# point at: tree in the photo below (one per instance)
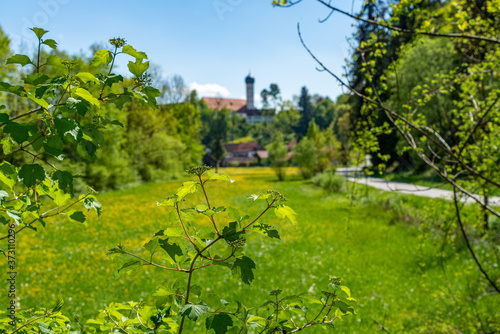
(272, 94)
(460, 146)
(306, 112)
(278, 153)
(215, 130)
(305, 154)
(325, 113)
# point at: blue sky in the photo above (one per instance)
(212, 44)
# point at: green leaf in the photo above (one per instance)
(77, 216)
(92, 203)
(50, 88)
(256, 322)
(235, 214)
(20, 132)
(128, 49)
(201, 208)
(51, 43)
(188, 187)
(79, 106)
(231, 232)
(102, 57)
(283, 211)
(174, 250)
(87, 96)
(109, 80)
(152, 246)
(117, 250)
(17, 90)
(120, 100)
(35, 79)
(54, 60)
(93, 135)
(259, 197)
(151, 94)
(173, 232)
(3, 195)
(157, 319)
(31, 173)
(69, 129)
(22, 60)
(58, 306)
(86, 150)
(139, 67)
(168, 202)
(242, 269)
(39, 32)
(16, 216)
(164, 291)
(266, 230)
(131, 265)
(214, 176)
(196, 290)
(54, 146)
(193, 311)
(105, 121)
(41, 102)
(44, 328)
(219, 323)
(86, 77)
(4, 118)
(346, 290)
(65, 180)
(7, 145)
(8, 174)
(344, 307)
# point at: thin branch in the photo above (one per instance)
(408, 31)
(149, 263)
(29, 323)
(466, 238)
(23, 147)
(390, 113)
(25, 114)
(208, 204)
(382, 327)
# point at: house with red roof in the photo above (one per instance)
(244, 108)
(244, 154)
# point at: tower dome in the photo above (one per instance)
(249, 79)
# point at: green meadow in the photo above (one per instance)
(393, 270)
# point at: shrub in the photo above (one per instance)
(330, 182)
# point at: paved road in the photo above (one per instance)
(413, 189)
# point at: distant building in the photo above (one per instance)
(244, 108)
(243, 154)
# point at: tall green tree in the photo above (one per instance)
(306, 110)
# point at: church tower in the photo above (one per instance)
(250, 81)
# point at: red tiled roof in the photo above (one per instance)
(243, 147)
(291, 145)
(219, 103)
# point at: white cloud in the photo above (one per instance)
(209, 90)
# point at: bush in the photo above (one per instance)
(306, 156)
(330, 182)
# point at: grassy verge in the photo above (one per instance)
(380, 255)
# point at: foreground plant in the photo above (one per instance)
(50, 110)
(62, 116)
(185, 248)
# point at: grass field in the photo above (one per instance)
(395, 283)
